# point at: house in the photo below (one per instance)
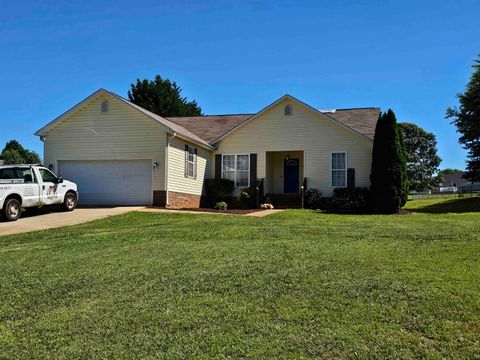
(121, 154)
(455, 181)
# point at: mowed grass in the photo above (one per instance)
(298, 284)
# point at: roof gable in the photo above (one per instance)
(365, 128)
(167, 125)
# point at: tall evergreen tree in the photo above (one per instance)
(389, 183)
(12, 157)
(162, 97)
(467, 120)
(14, 153)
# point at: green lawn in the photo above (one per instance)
(298, 284)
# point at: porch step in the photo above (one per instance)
(286, 201)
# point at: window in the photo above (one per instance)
(8, 174)
(104, 107)
(19, 175)
(237, 169)
(47, 176)
(287, 110)
(190, 161)
(339, 169)
(26, 174)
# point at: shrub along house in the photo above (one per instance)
(121, 154)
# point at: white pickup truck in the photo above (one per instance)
(32, 186)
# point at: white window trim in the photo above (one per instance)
(235, 171)
(331, 168)
(194, 162)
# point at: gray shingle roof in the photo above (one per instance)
(211, 127)
(363, 120)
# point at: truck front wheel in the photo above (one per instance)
(12, 209)
(70, 202)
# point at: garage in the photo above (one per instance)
(110, 182)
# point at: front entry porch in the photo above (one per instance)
(284, 178)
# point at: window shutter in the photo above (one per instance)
(253, 169)
(351, 178)
(186, 160)
(218, 166)
(195, 164)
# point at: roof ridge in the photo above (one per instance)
(179, 117)
(360, 108)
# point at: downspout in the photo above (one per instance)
(166, 167)
(42, 139)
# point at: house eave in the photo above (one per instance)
(44, 130)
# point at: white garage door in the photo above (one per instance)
(125, 182)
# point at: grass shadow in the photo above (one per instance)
(361, 213)
(32, 212)
(451, 206)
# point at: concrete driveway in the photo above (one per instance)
(52, 218)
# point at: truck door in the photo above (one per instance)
(31, 187)
(51, 191)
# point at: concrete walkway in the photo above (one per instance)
(265, 213)
(178, 211)
(54, 219)
(252, 214)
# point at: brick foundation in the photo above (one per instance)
(178, 200)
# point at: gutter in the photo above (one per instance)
(187, 138)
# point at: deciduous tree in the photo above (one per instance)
(467, 120)
(421, 156)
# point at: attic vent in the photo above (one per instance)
(287, 111)
(104, 107)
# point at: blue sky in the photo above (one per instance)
(236, 56)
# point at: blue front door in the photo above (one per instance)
(291, 175)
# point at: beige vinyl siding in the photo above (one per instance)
(305, 130)
(122, 133)
(176, 168)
